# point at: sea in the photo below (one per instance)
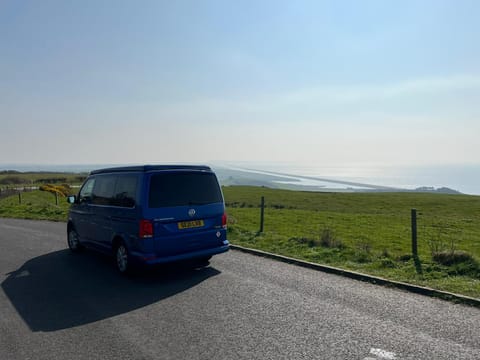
(462, 178)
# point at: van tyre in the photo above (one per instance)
(122, 259)
(73, 241)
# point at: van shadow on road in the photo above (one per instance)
(61, 290)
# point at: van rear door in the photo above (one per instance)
(187, 209)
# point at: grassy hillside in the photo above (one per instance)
(367, 232)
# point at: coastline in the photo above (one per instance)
(461, 178)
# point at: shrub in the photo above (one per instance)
(387, 263)
(328, 239)
(231, 220)
(362, 257)
(62, 190)
(449, 258)
(470, 268)
(405, 257)
(307, 241)
(363, 244)
(459, 263)
(437, 241)
(385, 253)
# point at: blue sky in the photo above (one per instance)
(320, 82)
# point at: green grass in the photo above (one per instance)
(37, 204)
(367, 232)
(370, 232)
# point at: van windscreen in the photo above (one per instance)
(183, 189)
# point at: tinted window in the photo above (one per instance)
(103, 190)
(178, 189)
(125, 191)
(85, 194)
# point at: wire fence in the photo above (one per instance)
(15, 191)
(424, 233)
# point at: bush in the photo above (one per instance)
(459, 263)
(363, 244)
(362, 257)
(62, 190)
(465, 268)
(387, 263)
(405, 257)
(385, 253)
(328, 239)
(231, 220)
(449, 258)
(303, 240)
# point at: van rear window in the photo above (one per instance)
(183, 189)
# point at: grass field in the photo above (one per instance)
(39, 205)
(366, 232)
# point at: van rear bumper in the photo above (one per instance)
(153, 259)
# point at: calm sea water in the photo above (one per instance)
(463, 178)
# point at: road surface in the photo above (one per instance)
(58, 305)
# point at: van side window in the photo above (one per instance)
(85, 194)
(125, 191)
(103, 190)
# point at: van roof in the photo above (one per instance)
(145, 168)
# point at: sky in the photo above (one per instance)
(307, 82)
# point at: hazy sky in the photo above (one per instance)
(320, 82)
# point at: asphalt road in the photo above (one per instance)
(57, 305)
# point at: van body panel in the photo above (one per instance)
(152, 259)
(171, 239)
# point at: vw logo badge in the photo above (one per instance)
(191, 212)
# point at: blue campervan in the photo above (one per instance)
(150, 214)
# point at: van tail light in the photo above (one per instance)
(224, 220)
(146, 229)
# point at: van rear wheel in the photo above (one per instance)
(122, 259)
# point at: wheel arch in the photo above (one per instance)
(117, 240)
(70, 225)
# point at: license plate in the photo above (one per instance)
(190, 224)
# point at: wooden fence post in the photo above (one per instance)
(414, 233)
(262, 212)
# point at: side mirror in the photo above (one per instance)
(72, 199)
